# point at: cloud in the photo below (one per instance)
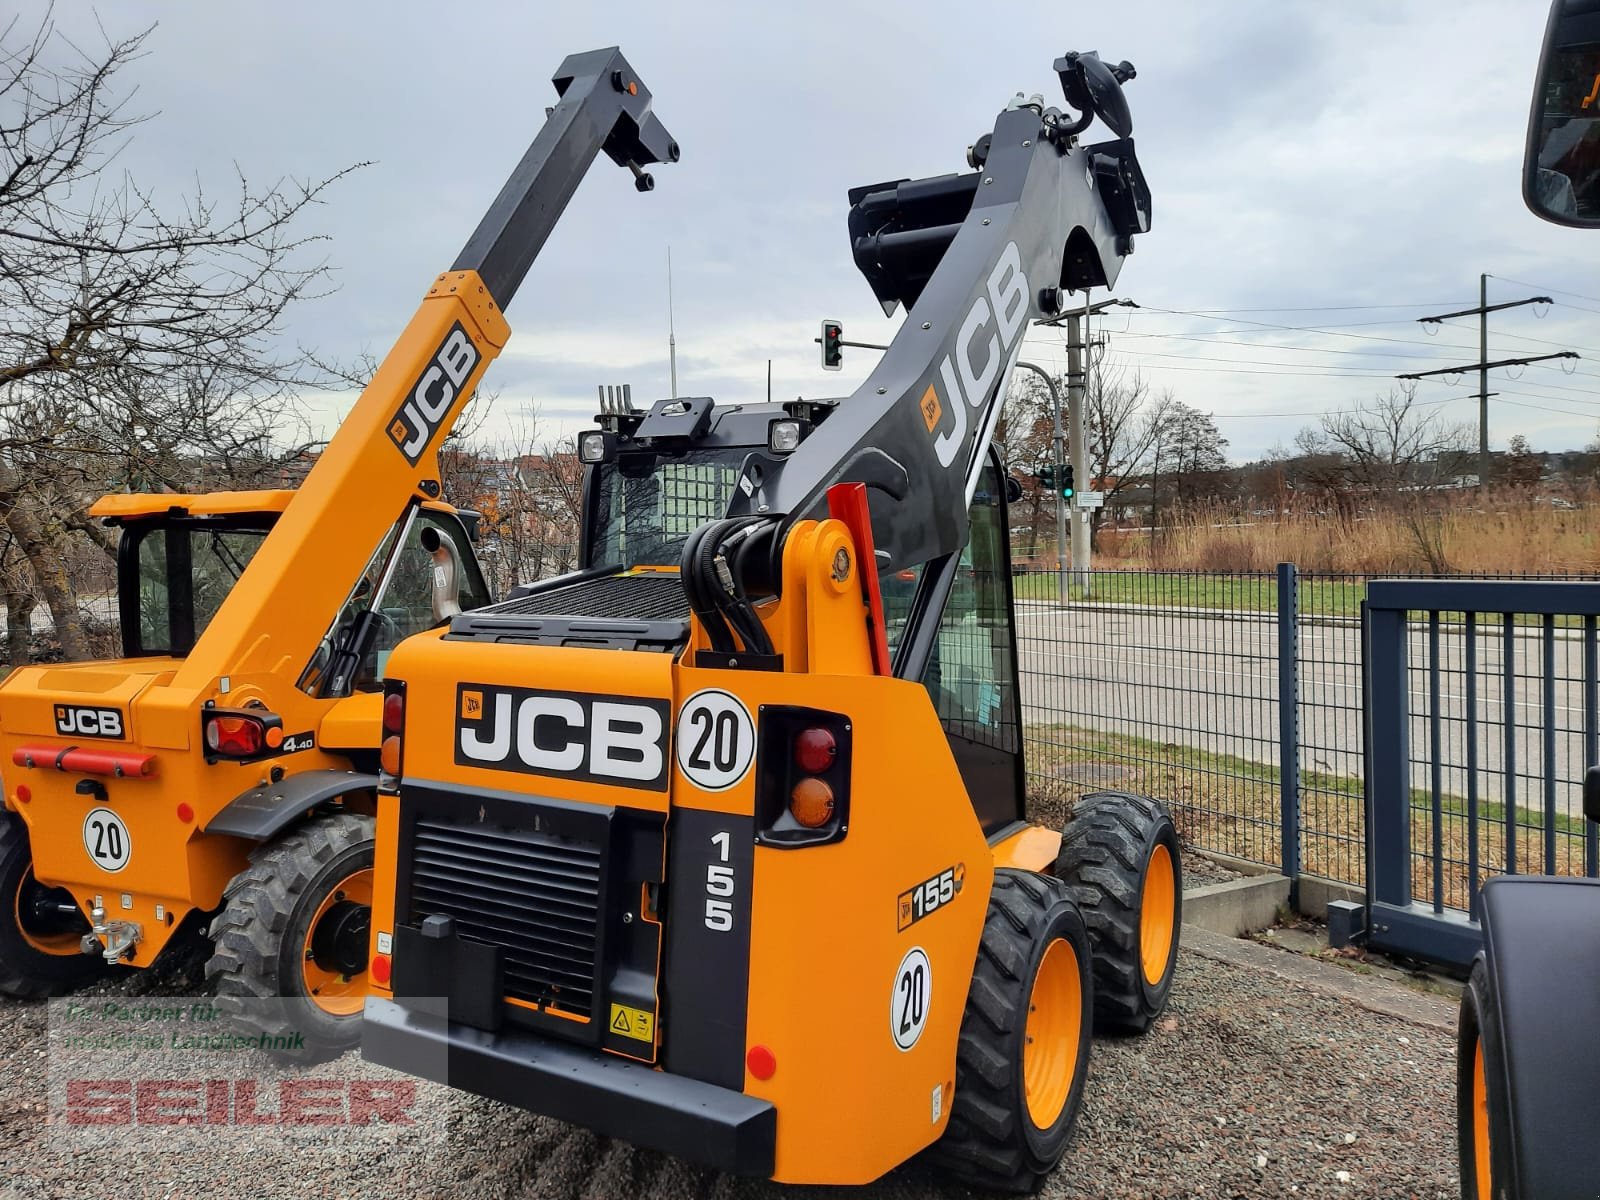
(1301, 157)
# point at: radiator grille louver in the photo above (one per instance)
(535, 895)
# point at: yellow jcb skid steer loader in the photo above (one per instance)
(223, 772)
(718, 844)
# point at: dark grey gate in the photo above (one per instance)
(1481, 700)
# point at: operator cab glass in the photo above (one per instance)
(646, 503)
(393, 599)
(175, 572)
(1561, 168)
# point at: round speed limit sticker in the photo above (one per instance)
(716, 740)
(106, 839)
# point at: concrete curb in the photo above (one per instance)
(1387, 999)
(1236, 907)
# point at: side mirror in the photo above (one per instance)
(1561, 166)
(1591, 793)
(1013, 489)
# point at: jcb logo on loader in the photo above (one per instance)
(602, 739)
(88, 722)
(1007, 307)
(430, 399)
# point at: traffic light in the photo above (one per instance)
(1066, 482)
(832, 345)
(1046, 475)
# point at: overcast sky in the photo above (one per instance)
(1322, 175)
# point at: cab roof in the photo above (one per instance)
(124, 506)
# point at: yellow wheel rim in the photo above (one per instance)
(1055, 1026)
(59, 944)
(1480, 1123)
(1158, 913)
(336, 994)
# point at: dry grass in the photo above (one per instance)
(1231, 806)
(1505, 532)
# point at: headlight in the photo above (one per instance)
(593, 446)
(784, 436)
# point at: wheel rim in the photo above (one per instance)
(1480, 1123)
(1055, 1027)
(333, 987)
(1158, 910)
(57, 938)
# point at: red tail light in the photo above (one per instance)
(390, 756)
(803, 777)
(241, 733)
(394, 712)
(814, 750)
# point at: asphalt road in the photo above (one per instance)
(1210, 682)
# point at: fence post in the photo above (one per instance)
(1289, 724)
(1388, 759)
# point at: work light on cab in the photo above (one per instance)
(785, 435)
(594, 446)
(241, 733)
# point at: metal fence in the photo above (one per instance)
(1170, 683)
(1484, 702)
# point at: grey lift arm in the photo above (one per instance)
(974, 258)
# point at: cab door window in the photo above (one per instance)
(393, 599)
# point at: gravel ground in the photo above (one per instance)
(1198, 870)
(1251, 1086)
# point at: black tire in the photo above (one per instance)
(1480, 1024)
(992, 1139)
(26, 971)
(1106, 853)
(263, 933)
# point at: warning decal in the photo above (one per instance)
(633, 1023)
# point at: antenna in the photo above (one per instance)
(672, 332)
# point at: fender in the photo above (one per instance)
(262, 813)
(1542, 952)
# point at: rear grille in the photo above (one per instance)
(651, 596)
(535, 895)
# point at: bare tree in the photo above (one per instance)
(1382, 447)
(1026, 433)
(139, 343)
(1193, 455)
(1523, 467)
(1123, 422)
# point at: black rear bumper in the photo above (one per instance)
(610, 1095)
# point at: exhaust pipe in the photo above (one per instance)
(446, 590)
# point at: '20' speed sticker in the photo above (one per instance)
(716, 740)
(908, 1006)
(106, 839)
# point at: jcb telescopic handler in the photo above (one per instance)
(1527, 1054)
(223, 772)
(718, 844)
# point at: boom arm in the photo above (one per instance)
(975, 258)
(385, 451)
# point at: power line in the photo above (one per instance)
(1483, 366)
(1557, 291)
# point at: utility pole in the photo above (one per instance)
(1483, 366)
(1058, 460)
(1077, 392)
